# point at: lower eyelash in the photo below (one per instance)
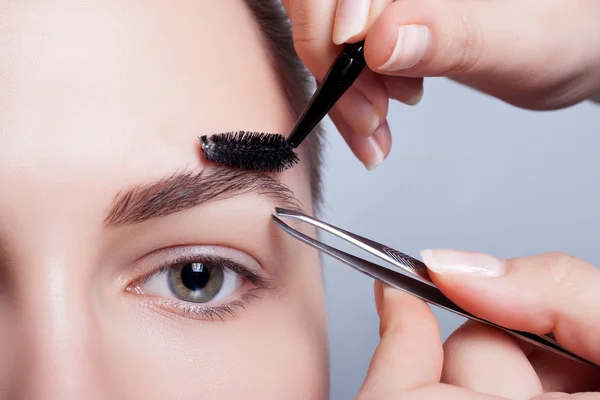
(211, 313)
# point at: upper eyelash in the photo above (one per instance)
(217, 262)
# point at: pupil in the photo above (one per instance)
(195, 276)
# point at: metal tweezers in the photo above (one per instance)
(417, 282)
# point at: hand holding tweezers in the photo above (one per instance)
(417, 282)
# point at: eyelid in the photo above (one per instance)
(160, 261)
(237, 261)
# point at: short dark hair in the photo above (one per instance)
(294, 78)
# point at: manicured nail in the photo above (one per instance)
(351, 17)
(453, 262)
(406, 90)
(415, 99)
(383, 137)
(376, 153)
(409, 49)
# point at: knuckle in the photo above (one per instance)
(302, 26)
(373, 88)
(467, 44)
(560, 267)
(304, 35)
(468, 333)
(307, 48)
(304, 42)
(557, 270)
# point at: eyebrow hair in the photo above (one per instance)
(185, 190)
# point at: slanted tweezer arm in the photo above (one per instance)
(420, 288)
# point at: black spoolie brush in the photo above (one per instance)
(250, 150)
(272, 152)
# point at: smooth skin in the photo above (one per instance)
(552, 292)
(101, 96)
(532, 55)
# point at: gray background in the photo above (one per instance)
(468, 172)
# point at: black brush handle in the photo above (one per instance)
(342, 74)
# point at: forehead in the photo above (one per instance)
(97, 96)
(128, 78)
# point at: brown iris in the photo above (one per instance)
(197, 282)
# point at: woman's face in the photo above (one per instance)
(129, 268)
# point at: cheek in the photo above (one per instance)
(276, 349)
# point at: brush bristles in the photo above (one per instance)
(250, 150)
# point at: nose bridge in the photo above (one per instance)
(62, 357)
(49, 236)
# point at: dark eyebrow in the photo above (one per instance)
(184, 190)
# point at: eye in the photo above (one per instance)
(198, 281)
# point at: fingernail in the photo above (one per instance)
(410, 47)
(351, 17)
(383, 137)
(453, 262)
(406, 90)
(415, 98)
(376, 153)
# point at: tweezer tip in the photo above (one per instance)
(279, 223)
(279, 210)
(284, 212)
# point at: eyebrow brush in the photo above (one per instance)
(273, 152)
(341, 75)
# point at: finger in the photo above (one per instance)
(406, 90)
(484, 359)
(312, 30)
(445, 392)
(558, 374)
(501, 47)
(378, 293)
(363, 110)
(565, 396)
(353, 18)
(409, 354)
(364, 106)
(370, 150)
(547, 293)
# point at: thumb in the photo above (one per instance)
(530, 53)
(546, 293)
